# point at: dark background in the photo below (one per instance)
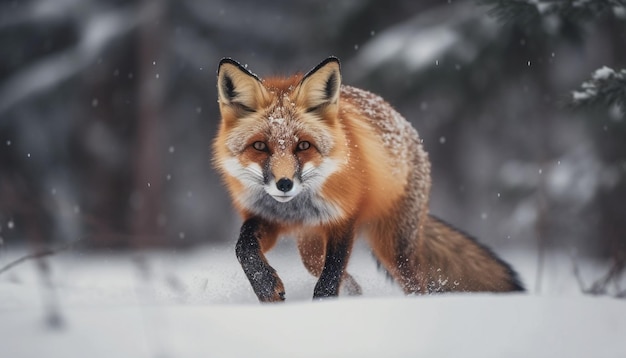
(108, 110)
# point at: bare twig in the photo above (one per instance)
(540, 229)
(577, 274)
(37, 255)
(53, 317)
(601, 285)
(613, 275)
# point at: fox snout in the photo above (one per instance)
(283, 189)
(282, 177)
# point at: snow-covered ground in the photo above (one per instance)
(199, 304)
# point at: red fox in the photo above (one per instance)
(325, 162)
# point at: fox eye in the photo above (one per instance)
(260, 146)
(304, 145)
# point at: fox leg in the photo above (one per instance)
(337, 252)
(255, 238)
(313, 251)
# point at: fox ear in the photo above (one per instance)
(320, 87)
(237, 87)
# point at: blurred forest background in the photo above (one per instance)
(108, 110)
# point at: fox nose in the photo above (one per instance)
(284, 184)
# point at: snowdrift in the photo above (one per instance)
(199, 304)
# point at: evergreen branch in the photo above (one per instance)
(606, 87)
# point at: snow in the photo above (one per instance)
(590, 88)
(603, 73)
(416, 50)
(199, 304)
(98, 30)
(425, 39)
(580, 96)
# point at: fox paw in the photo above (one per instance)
(270, 290)
(277, 295)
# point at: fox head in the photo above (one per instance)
(277, 142)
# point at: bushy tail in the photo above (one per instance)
(451, 260)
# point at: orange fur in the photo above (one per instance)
(307, 156)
